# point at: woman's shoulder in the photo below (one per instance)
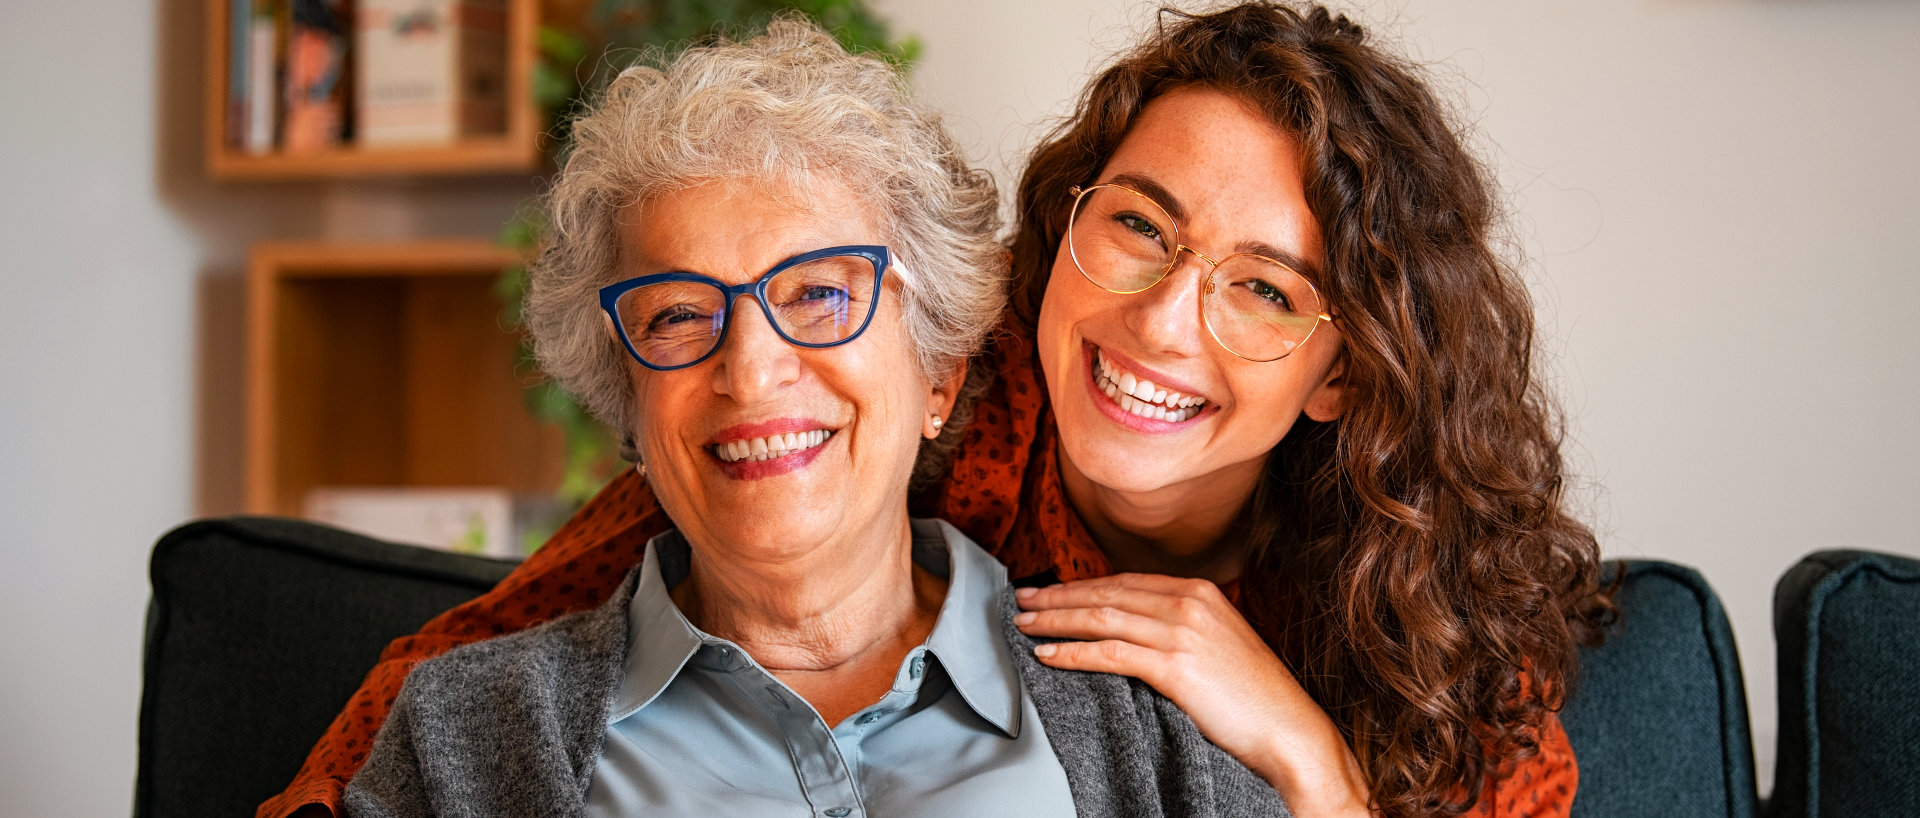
(502, 725)
(540, 658)
(1122, 744)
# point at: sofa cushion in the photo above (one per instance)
(1658, 716)
(1848, 627)
(259, 630)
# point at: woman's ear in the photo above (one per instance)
(1329, 399)
(940, 401)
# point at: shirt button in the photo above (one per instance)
(868, 717)
(918, 666)
(838, 812)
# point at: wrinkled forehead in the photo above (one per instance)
(740, 226)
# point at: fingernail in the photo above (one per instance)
(1025, 593)
(1024, 619)
(1043, 651)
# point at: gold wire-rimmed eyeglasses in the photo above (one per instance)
(1256, 307)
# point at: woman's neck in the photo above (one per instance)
(828, 609)
(1180, 529)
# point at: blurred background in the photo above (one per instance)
(1713, 198)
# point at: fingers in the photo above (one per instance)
(1153, 583)
(1096, 624)
(1167, 598)
(1105, 656)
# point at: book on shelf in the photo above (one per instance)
(239, 22)
(307, 76)
(429, 71)
(259, 114)
(316, 76)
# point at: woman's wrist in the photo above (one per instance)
(1317, 776)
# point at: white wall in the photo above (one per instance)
(120, 359)
(97, 407)
(1717, 201)
(1714, 195)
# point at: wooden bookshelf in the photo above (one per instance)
(385, 365)
(517, 151)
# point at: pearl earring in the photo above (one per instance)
(937, 423)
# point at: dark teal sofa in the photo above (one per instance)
(260, 629)
(1847, 625)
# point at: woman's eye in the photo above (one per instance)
(1140, 225)
(669, 317)
(821, 292)
(1267, 292)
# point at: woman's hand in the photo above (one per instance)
(1185, 639)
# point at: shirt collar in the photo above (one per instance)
(659, 639)
(966, 637)
(966, 634)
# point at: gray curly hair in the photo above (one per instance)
(785, 110)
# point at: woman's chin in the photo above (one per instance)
(1114, 466)
(772, 540)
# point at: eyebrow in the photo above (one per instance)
(1146, 186)
(1152, 190)
(1293, 260)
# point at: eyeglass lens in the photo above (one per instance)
(818, 302)
(1256, 307)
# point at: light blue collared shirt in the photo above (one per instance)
(699, 728)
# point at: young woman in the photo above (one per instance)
(1265, 406)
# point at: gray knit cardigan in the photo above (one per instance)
(513, 727)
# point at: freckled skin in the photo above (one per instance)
(1160, 500)
(1238, 179)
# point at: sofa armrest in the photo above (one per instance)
(1658, 715)
(258, 631)
(1847, 624)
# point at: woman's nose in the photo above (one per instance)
(1166, 316)
(755, 362)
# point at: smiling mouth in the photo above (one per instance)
(1141, 397)
(771, 447)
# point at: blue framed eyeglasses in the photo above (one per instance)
(815, 300)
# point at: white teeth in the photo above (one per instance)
(770, 447)
(1142, 397)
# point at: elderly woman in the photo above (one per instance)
(769, 268)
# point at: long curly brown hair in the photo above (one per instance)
(1412, 561)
